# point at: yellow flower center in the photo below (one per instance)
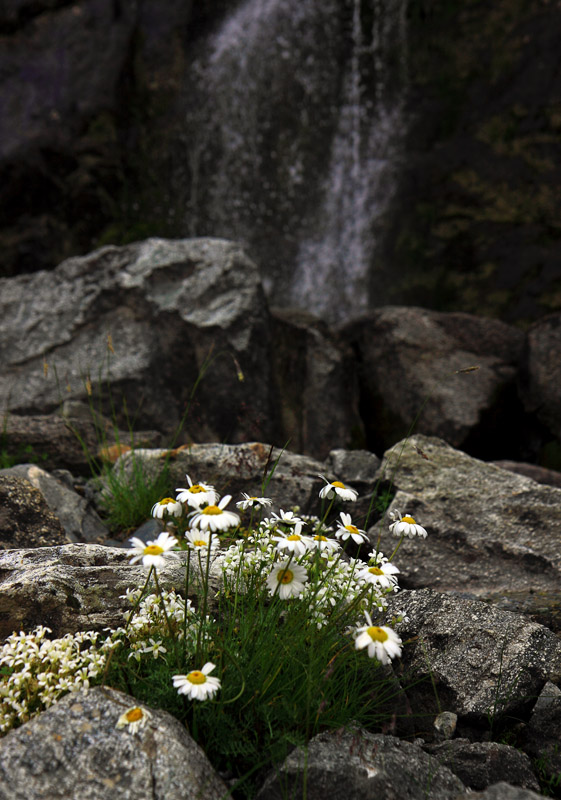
(196, 676)
(351, 528)
(134, 714)
(338, 484)
(320, 538)
(166, 500)
(375, 571)
(410, 520)
(212, 510)
(285, 576)
(200, 543)
(293, 537)
(254, 498)
(153, 550)
(377, 634)
(196, 489)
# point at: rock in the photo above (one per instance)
(66, 440)
(445, 725)
(80, 522)
(74, 750)
(551, 477)
(411, 364)
(74, 587)
(490, 532)
(149, 318)
(25, 518)
(541, 374)
(501, 791)
(480, 764)
(483, 664)
(543, 733)
(237, 468)
(360, 765)
(316, 384)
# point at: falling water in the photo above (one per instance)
(295, 115)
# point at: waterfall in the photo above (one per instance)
(294, 121)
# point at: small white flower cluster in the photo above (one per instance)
(35, 671)
(150, 618)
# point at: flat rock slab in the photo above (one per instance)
(490, 531)
(73, 750)
(472, 659)
(72, 588)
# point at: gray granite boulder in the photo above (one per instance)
(410, 371)
(491, 532)
(361, 766)
(80, 521)
(147, 317)
(74, 587)
(469, 658)
(74, 750)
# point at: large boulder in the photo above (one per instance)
(74, 750)
(80, 521)
(491, 532)
(360, 765)
(412, 372)
(472, 659)
(73, 588)
(150, 319)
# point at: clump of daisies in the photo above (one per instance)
(290, 644)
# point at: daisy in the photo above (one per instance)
(154, 553)
(406, 526)
(287, 518)
(253, 502)
(289, 578)
(134, 719)
(197, 684)
(215, 518)
(383, 643)
(199, 540)
(197, 495)
(293, 542)
(347, 530)
(380, 575)
(336, 488)
(167, 506)
(322, 543)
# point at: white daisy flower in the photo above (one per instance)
(287, 518)
(290, 579)
(293, 542)
(336, 488)
(167, 506)
(347, 530)
(215, 518)
(134, 719)
(197, 684)
(199, 540)
(380, 575)
(154, 553)
(197, 495)
(382, 642)
(323, 543)
(406, 526)
(253, 502)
